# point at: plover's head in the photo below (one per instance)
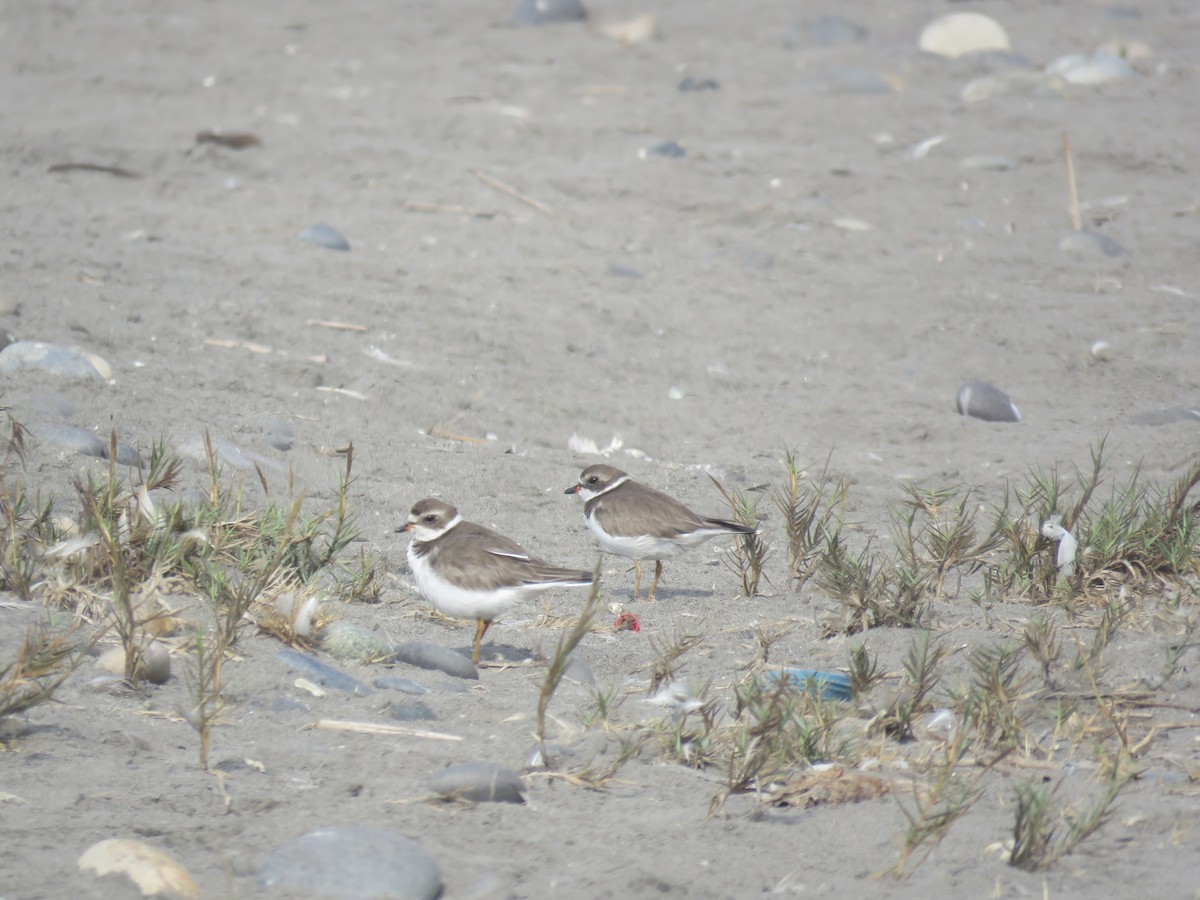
(595, 480)
(430, 518)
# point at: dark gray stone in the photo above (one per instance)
(479, 782)
(691, 83)
(425, 655)
(353, 862)
(322, 673)
(985, 401)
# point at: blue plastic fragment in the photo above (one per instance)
(829, 685)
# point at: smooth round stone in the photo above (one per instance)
(985, 401)
(548, 12)
(1089, 243)
(351, 642)
(396, 683)
(413, 712)
(1090, 70)
(68, 437)
(321, 672)
(479, 782)
(353, 862)
(325, 236)
(956, 34)
(425, 655)
(986, 163)
(50, 358)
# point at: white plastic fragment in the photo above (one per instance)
(1067, 545)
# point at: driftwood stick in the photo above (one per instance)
(503, 188)
(1072, 190)
(381, 728)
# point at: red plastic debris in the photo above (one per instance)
(627, 621)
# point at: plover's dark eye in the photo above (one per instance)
(592, 479)
(430, 518)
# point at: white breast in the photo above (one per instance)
(461, 602)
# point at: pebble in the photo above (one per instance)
(1168, 416)
(1102, 68)
(325, 236)
(425, 655)
(668, 149)
(829, 685)
(621, 271)
(413, 712)
(52, 358)
(322, 673)
(68, 437)
(1090, 243)
(985, 401)
(956, 34)
(351, 642)
(396, 683)
(547, 12)
(691, 83)
(154, 667)
(986, 163)
(353, 862)
(479, 782)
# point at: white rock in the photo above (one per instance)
(1090, 70)
(959, 33)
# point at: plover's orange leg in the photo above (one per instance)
(657, 575)
(481, 627)
(637, 579)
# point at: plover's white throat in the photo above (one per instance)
(636, 521)
(471, 572)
